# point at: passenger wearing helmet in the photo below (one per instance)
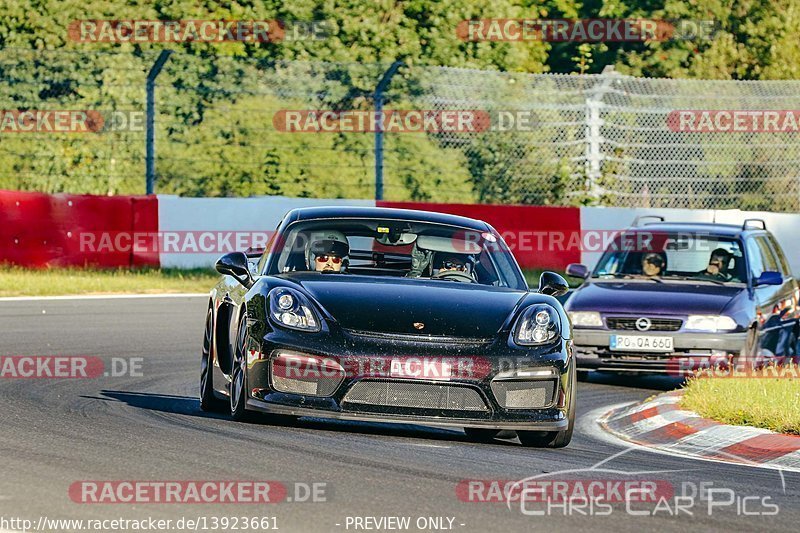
(328, 252)
(454, 263)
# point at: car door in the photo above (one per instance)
(789, 295)
(771, 309)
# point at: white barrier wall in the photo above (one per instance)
(784, 226)
(239, 215)
(243, 215)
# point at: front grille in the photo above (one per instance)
(604, 354)
(410, 394)
(524, 394)
(415, 338)
(656, 324)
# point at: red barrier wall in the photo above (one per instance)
(39, 230)
(532, 232)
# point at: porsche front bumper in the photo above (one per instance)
(546, 422)
(479, 400)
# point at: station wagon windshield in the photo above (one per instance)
(673, 256)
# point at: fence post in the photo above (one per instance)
(387, 77)
(150, 136)
(594, 137)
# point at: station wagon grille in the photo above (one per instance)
(656, 324)
(410, 394)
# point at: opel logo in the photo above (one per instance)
(643, 324)
(419, 325)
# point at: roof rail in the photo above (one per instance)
(756, 220)
(642, 217)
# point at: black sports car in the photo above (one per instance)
(391, 315)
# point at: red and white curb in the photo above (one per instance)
(660, 423)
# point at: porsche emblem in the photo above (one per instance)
(419, 325)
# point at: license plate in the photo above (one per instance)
(421, 369)
(640, 343)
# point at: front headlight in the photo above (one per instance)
(538, 325)
(711, 323)
(291, 309)
(586, 319)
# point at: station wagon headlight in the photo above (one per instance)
(711, 323)
(538, 325)
(291, 309)
(586, 319)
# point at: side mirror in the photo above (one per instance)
(552, 284)
(577, 270)
(235, 264)
(769, 278)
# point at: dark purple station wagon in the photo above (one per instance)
(667, 297)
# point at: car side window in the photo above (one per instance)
(768, 259)
(754, 258)
(784, 263)
(262, 263)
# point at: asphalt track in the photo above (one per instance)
(149, 427)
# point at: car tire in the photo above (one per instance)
(483, 435)
(238, 390)
(553, 439)
(748, 355)
(208, 400)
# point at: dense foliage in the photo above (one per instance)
(216, 103)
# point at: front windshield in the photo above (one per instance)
(673, 256)
(395, 248)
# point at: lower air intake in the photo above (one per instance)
(524, 394)
(415, 395)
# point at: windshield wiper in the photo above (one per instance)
(688, 278)
(618, 275)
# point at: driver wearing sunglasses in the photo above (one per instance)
(329, 255)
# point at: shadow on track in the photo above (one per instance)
(645, 381)
(165, 403)
(189, 406)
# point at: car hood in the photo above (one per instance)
(393, 305)
(649, 297)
